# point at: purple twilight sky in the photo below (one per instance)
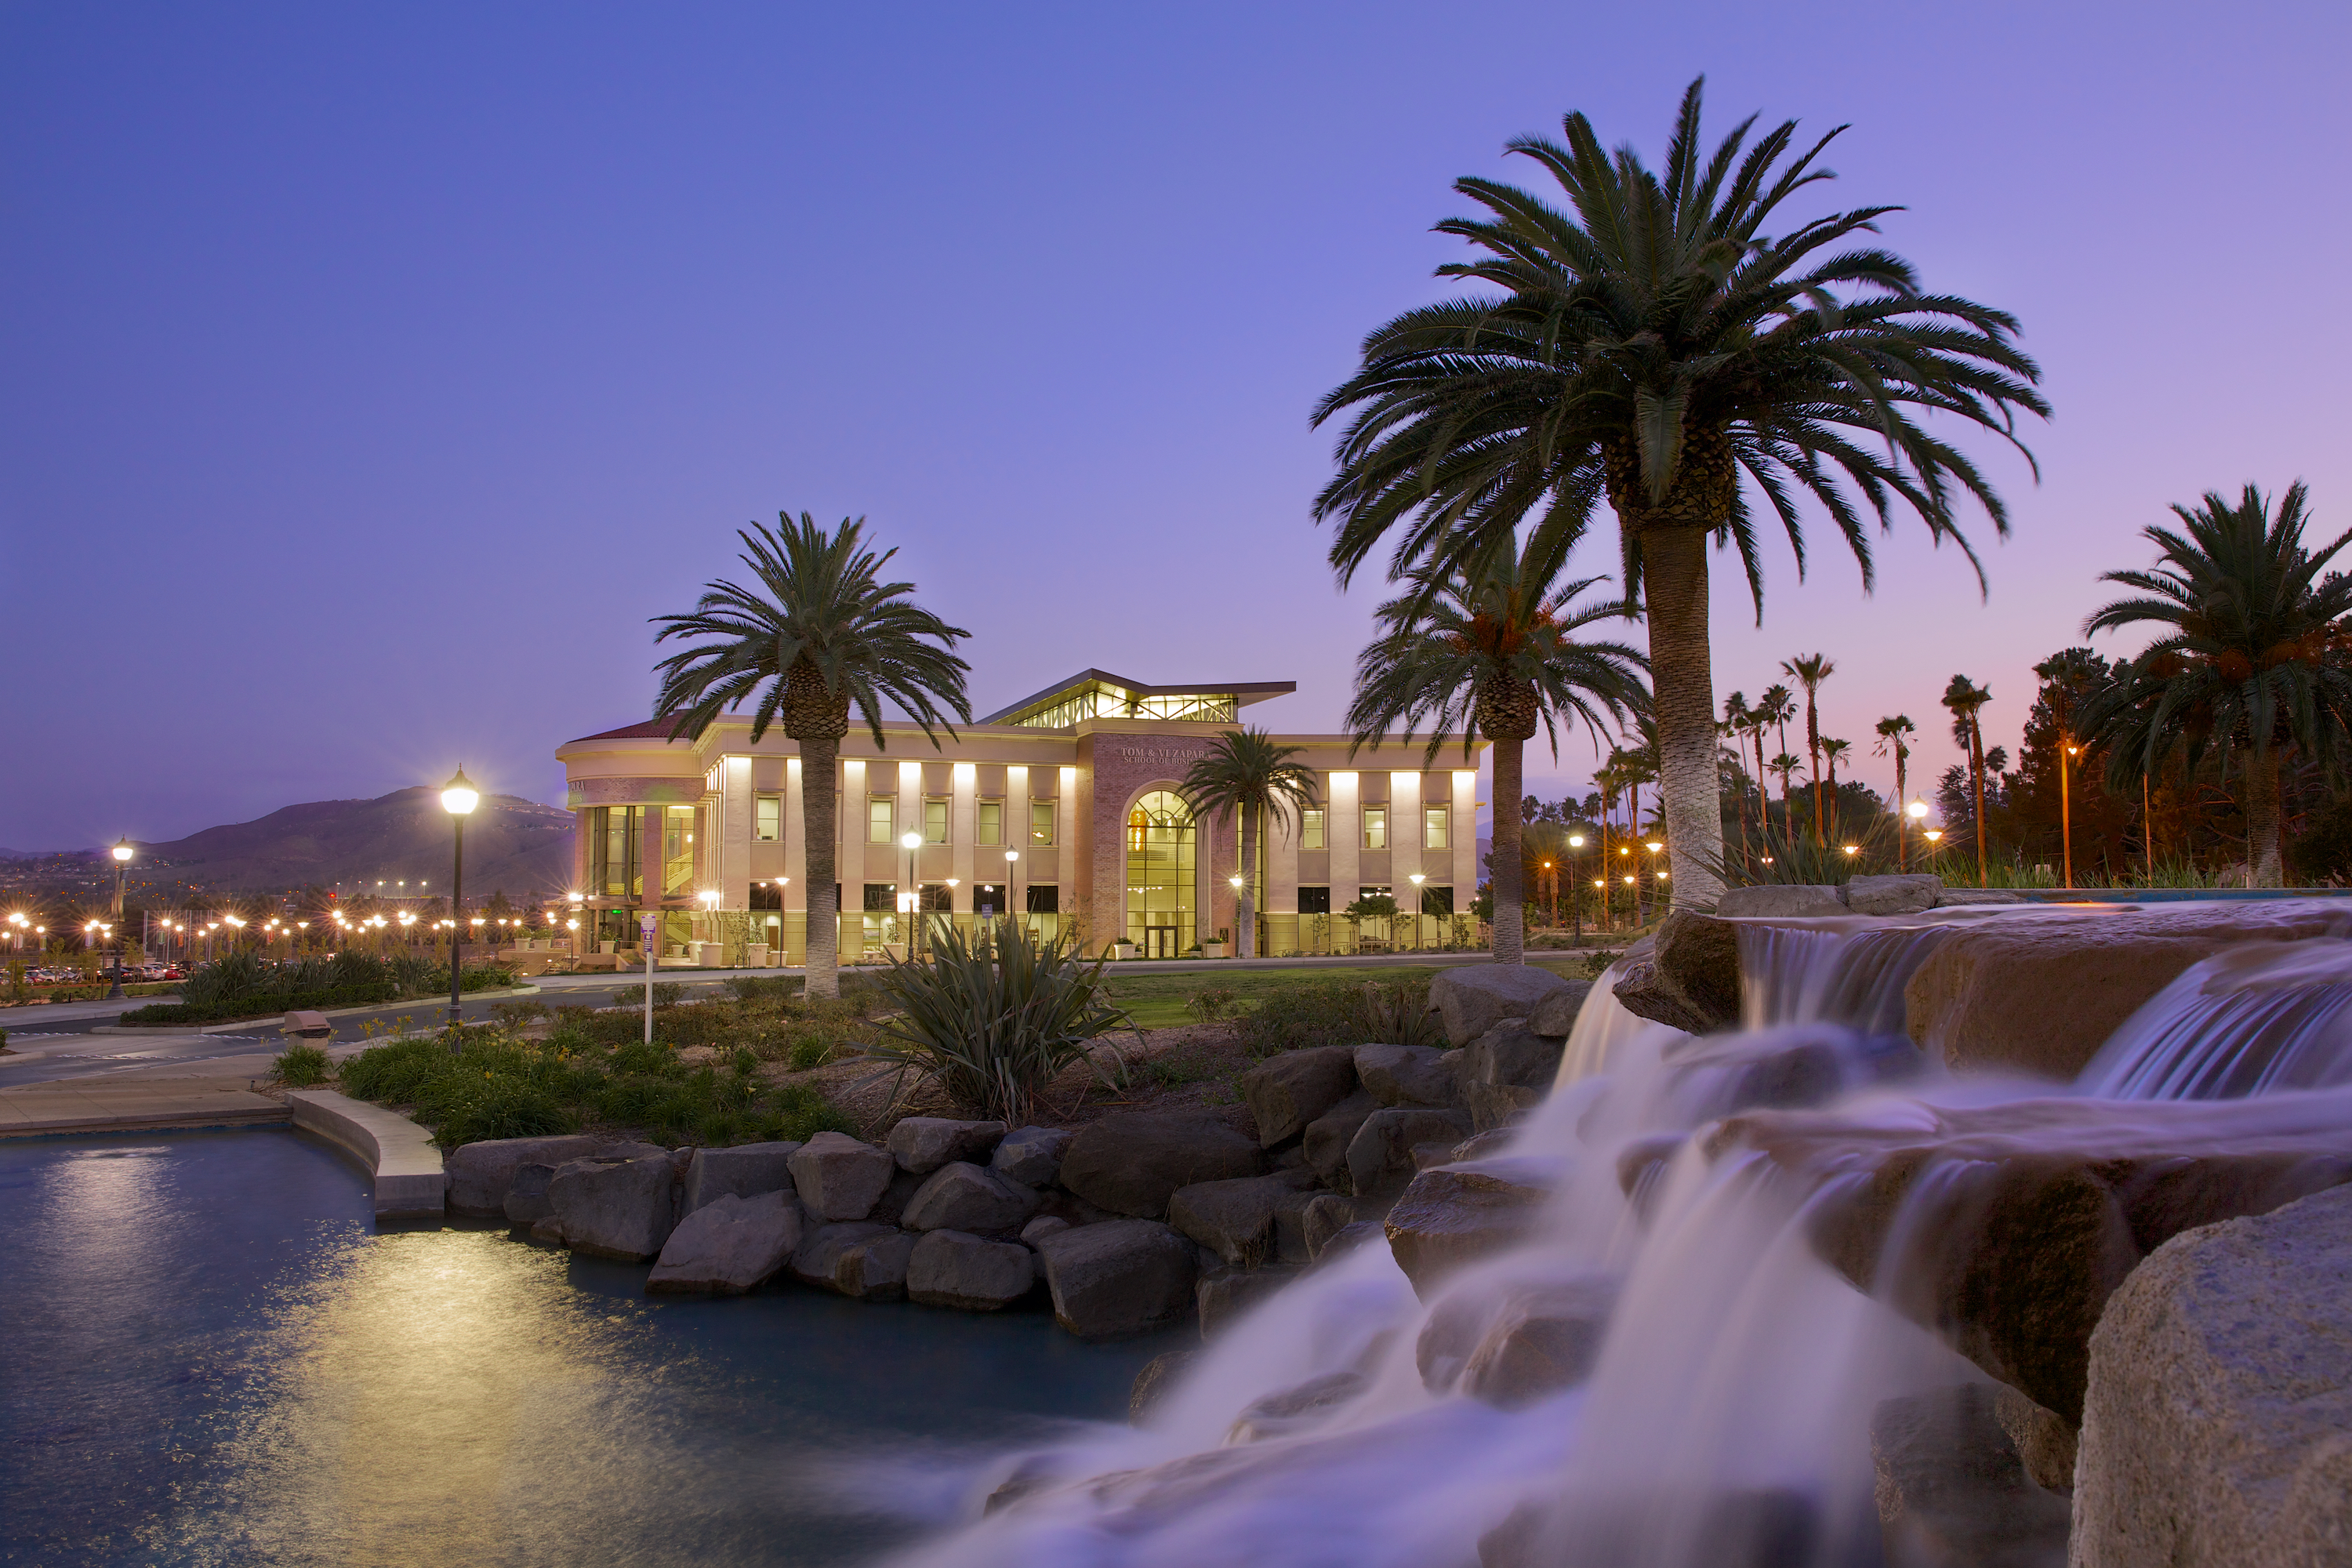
(369, 375)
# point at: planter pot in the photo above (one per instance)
(1212, 950)
(1122, 952)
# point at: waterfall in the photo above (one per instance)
(2260, 1018)
(1846, 972)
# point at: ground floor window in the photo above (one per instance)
(1437, 900)
(1045, 900)
(766, 896)
(1159, 876)
(1314, 901)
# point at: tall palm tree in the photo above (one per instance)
(1809, 670)
(1491, 649)
(1249, 775)
(1834, 752)
(1964, 697)
(2250, 658)
(816, 632)
(1775, 708)
(1652, 344)
(1894, 733)
(1735, 720)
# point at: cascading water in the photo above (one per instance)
(1725, 1419)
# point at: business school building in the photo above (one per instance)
(1061, 808)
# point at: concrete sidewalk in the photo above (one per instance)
(130, 1102)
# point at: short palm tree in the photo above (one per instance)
(816, 632)
(1809, 670)
(1834, 752)
(1250, 776)
(1965, 700)
(1773, 710)
(2250, 658)
(1894, 733)
(1652, 344)
(1490, 650)
(1734, 728)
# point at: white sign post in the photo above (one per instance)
(649, 929)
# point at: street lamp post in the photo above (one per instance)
(122, 861)
(1418, 878)
(1011, 859)
(2066, 812)
(458, 798)
(912, 902)
(1575, 901)
(1917, 812)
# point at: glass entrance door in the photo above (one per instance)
(1159, 869)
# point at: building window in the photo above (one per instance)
(1041, 824)
(1314, 901)
(1436, 901)
(768, 818)
(1370, 891)
(1433, 827)
(881, 819)
(991, 822)
(767, 896)
(1045, 900)
(938, 898)
(881, 897)
(935, 822)
(1376, 827)
(1310, 828)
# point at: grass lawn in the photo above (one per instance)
(1158, 1001)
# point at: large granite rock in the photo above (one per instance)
(1329, 1135)
(952, 1268)
(2218, 1429)
(478, 1174)
(1379, 1157)
(1228, 1295)
(1689, 980)
(1158, 1374)
(2041, 992)
(1472, 998)
(840, 1178)
(1975, 898)
(1409, 1075)
(1951, 1488)
(921, 1144)
(1512, 1054)
(2007, 1227)
(1519, 1345)
(728, 1246)
(1784, 901)
(864, 1261)
(1555, 1016)
(1235, 1219)
(746, 1170)
(1031, 1155)
(1120, 1277)
(1133, 1165)
(527, 1200)
(969, 1198)
(1455, 1215)
(1905, 893)
(1289, 1091)
(615, 1209)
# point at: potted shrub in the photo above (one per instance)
(1215, 948)
(1122, 950)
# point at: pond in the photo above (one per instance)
(210, 1354)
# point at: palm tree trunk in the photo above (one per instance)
(1813, 755)
(820, 821)
(1763, 792)
(2263, 867)
(1682, 673)
(1511, 912)
(1902, 803)
(1245, 901)
(1976, 768)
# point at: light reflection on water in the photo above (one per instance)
(209, 1355)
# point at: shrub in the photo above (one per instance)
(256, 1006)
(1211, 1005)
(514, 1015)
(1336, 1013)
(763, 987)
(303, 1067)
(992, 1018)
(668, 993)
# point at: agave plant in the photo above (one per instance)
(993, 1017)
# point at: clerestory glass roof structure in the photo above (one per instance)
(1098, 694)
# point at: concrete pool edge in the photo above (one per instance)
(398, 1154)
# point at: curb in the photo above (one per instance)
(396, 1153)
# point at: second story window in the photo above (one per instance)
(935, 822)
(881, 819)
(1376, 827)
(1310, 828)
(768, 818)
(991, 822)
(1434, 827)
(1041, 822)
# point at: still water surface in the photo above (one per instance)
(210, 1354)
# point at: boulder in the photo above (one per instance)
(622, 1209)
(1690, 979)
(1133, 1165)
(1234, 1219)
(861, 1260)
(840, 1178)
(1292, 1088)
(1555, 1016)
(1902, 894)
(1329, 1135)
(1348, 1237)
(1789, 1066)
(1950, 1488)
(1472, 998)
(478, 1174)
(1158, 1375)
(1511, 1053)
(969, 1198)
(1223, 1297)
(1030, 1155)
(746, 1170)
(1287, 1410)
(1044, 1225)
(2040, 993)
(1539, 1339)
(1408, 1075)
(1450, 1217)
(1121, 1276)
(921, 1144)
(1290, 1246)
(1496, 1105)
(1776, 900)
(1379, 1157)
(1972, 898)
(1325, 1215)
(728, 1246)
(890, 1209)
(952, 1268)
(2043, 1440)
(2218, 1428)
(526, 1199)
(548, 1232)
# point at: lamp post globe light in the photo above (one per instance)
(122, 853)
(910, 901)
(458, 798)
(1575, 900)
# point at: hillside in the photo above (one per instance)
(513, 844)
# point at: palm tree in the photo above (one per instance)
(1491, 650)
(1964, 697)
(1894, 734)
(1786, 764)
(1775, 709)
(1652, 344)
(816, 632)
(1832, 752)
(1252, 778)
(1809, 670)
(2250, 657)
(1735, 720)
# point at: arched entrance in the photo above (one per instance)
(1159, 876)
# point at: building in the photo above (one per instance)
(1061, 808)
